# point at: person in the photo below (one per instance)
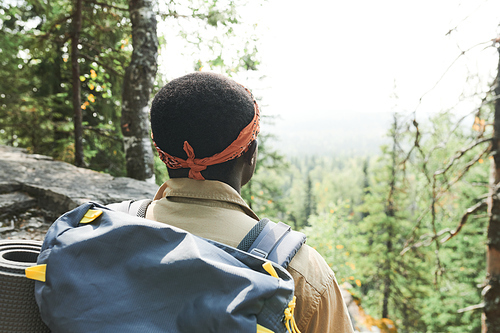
(205, 129)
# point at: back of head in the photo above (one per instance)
(205, 109)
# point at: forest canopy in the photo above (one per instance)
(413, 231)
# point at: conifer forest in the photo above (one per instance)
(411, 230)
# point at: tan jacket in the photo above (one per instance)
(214, 210)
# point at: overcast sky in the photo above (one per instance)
(324, 57)
(349, 55)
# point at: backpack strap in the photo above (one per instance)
(132, 207)
(252, 235)
(274, 241)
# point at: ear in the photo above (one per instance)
(250, 161)
(250, 155)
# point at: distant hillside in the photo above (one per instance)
(336, 133)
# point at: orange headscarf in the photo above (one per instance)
(234, 150)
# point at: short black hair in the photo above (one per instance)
(207, 110)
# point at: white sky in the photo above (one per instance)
(323, 57)
(348, 55)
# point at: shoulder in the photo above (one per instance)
(320, 305)
(309, 268)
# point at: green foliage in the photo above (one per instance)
(36, 100)
(359, 215)
(331, 234)
(370, 218)
(265, 191)
(217, 37)
(161, 172)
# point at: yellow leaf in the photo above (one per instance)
(358, 282)
(480, 160)
(332, 211)
(91, 86)
(269, 202)
(330, 247)
(93, 74)
(84, 106)
(65, 59)
(122, 46)
(340, 246)
(351, 277)
(347, 253)
(462, 269)
(252, 197)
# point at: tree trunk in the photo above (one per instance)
(75, 70)
(491, 293)
(137, 86)
(389, 212)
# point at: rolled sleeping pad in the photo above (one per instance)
(18, 309)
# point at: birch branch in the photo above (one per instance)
(471, 210)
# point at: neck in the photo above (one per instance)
(229, 177)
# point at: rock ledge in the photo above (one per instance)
(35, 189)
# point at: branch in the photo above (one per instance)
(54, 24)
(173, 14)
(472, 307)
(416, 143)
(414, 230)
(464, 171)
(471, 210)
(426, 240)
(461, 153)
(104, 132)
(464, 19)
(449, 67)
(438, 197)
(108, 68)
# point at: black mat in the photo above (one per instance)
(18, 309)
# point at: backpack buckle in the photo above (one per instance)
(259, 253)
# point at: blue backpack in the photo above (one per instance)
(102, 270)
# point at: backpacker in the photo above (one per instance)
(100, 270)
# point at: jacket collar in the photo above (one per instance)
(203, 190)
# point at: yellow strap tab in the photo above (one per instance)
(36, 272)
(91, 215)
(270, 269)
(262, 329)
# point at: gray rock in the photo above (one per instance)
(15, 202)
(35, 190)
(59, 186)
